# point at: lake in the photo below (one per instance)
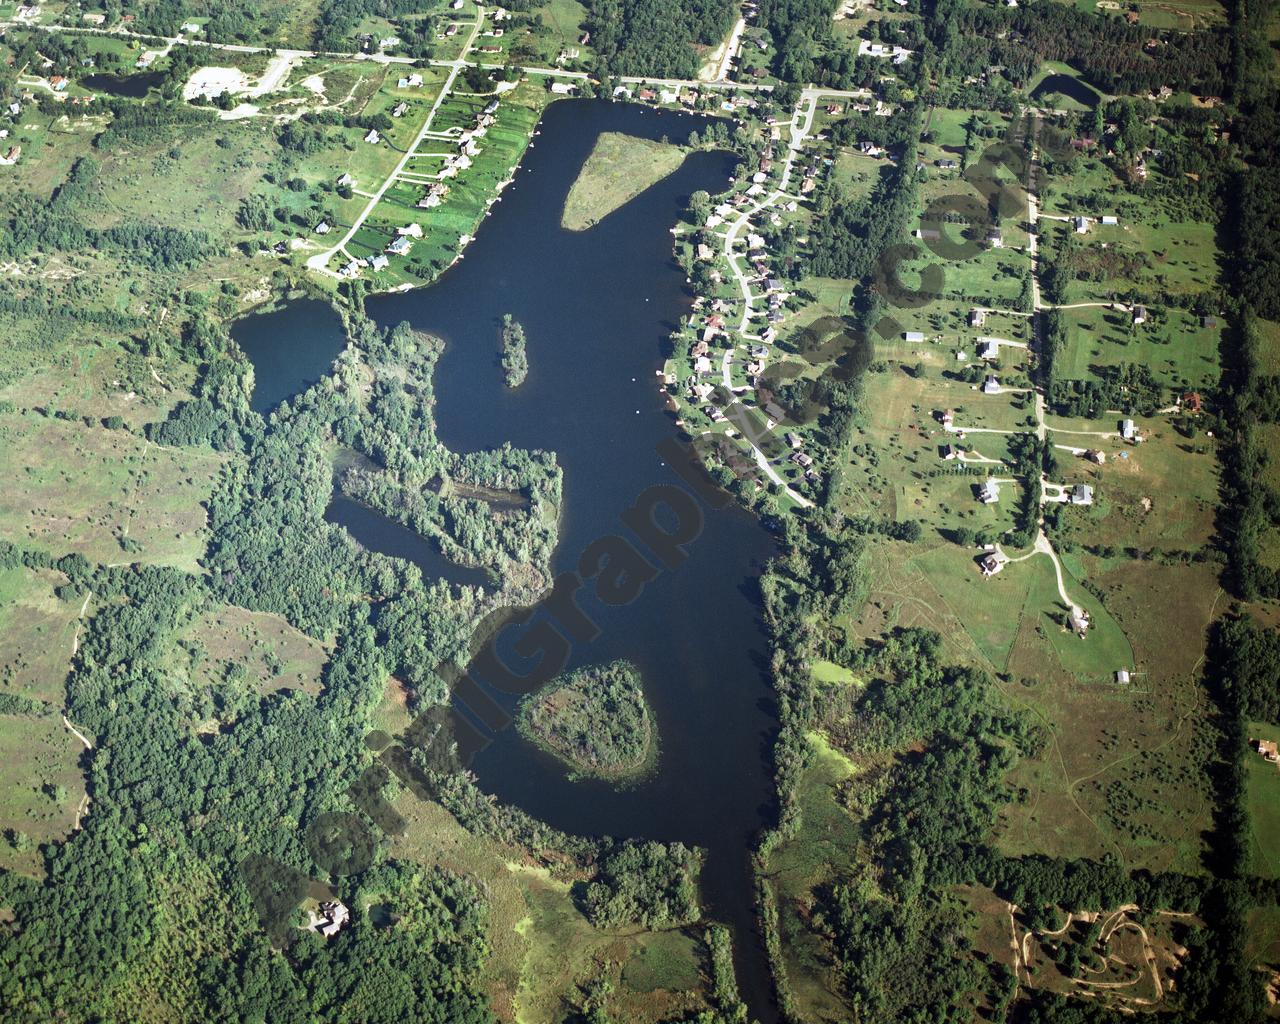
(133, 86)
(597, 307)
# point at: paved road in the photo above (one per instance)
(320, 261)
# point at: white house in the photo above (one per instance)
(373, 138)
(990, 349)
(991, 386)
(913, 335)
(1082, 494)
(990, 492)
(563, 88)
(1127, 430)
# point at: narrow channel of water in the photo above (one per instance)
(371, 529)
(597, 307)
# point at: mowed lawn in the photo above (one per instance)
(1263, 795)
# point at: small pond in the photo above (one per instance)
(1071, 88)
(131, 86)
(290, 348)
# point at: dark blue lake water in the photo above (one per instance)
(597, 307)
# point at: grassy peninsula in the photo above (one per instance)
(619, 168)
(595, 720)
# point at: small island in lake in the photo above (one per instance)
(595, 720)
(619, 168)
(515, 362)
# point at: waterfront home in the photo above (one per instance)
(563, 88)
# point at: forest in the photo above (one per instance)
(655, 37)
(595, 720)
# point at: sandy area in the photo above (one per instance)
(211, 82)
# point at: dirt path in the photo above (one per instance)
(77, 733)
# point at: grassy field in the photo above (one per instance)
(825, 848)
(618, 169)
(106, 494)
(543, 947)
(274, 655)
(41, 786)
(36, 633)
(1263, 783)
(1182, 355)
(1124, 772)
